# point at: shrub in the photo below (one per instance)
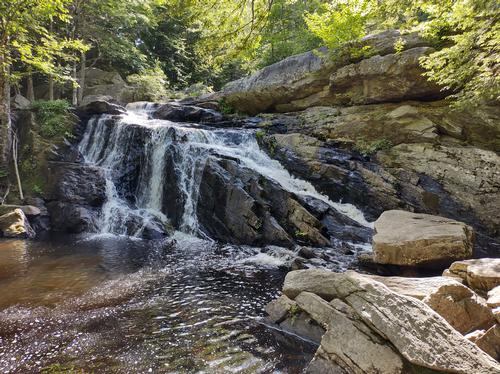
(53, 117)
(150, 85)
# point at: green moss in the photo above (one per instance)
(368, 149)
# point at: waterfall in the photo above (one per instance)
(163, 161)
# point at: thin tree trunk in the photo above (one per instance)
(51, 88)
(82, 78)
(74, 100)
(30, 92)
(5, 120)
(16, 169)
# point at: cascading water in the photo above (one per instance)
(112, 144)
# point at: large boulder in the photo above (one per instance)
(416, 331)
(186, 113)
(490, 342)
(303, 80)
(481, 274)
(411, 239)
(76, 193)
(76, 183)
(379, 79)
(371, 329)
(461, 307)
(14, 224)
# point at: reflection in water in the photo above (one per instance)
(107, 304)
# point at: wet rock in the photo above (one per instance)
(302, 324)
(99, 107)
(238, 205)
(410, 239)
(14, 224)
(186, 113)
(76, 183)
(481, 274)
(418, 288)
(461, 307)
(71, 217)
(389, 78)
(493, 300)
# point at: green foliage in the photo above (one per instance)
(469, 65)
(53, 117)
(37, 189)
(150, 85)
(286, 32)
(339, 21)
(368, 149)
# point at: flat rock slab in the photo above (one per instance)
(481, 274)
(411, 239)
(418, 288)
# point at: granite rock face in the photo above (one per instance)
(301, 81)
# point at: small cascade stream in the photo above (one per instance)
(112, 144)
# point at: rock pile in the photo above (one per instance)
(363, 326)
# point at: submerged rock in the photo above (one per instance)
(410, 239)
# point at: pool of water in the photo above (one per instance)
(115, 305)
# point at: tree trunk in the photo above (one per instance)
(5, 120)
(74, 100)
(51, 88)
(30, 93)
(82, 78)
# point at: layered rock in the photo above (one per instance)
(411, 239)
(303, 80)
(398, 334)
(241, 206)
